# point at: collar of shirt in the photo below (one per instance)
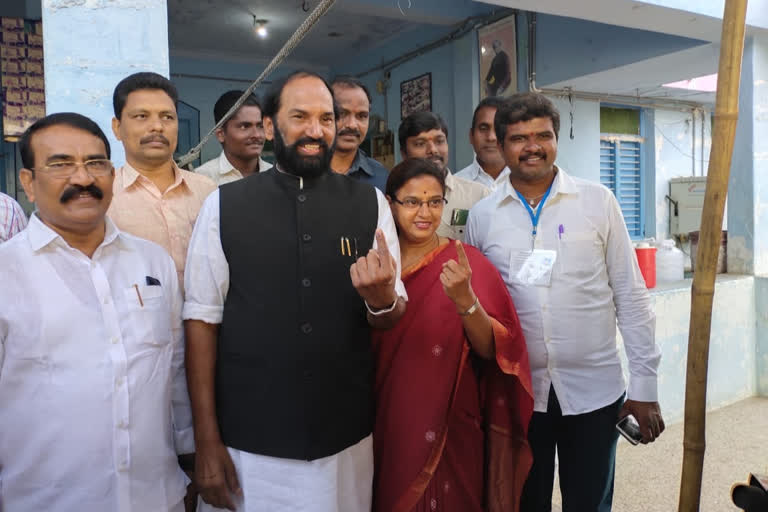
(40, 235)
(450, 180)
(478, 171)
(563, 184)
(130, 176)
(226, 167)
(361, 164)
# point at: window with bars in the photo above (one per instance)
(621, 171)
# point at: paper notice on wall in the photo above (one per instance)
(21, 74)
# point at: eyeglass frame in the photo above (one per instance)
(442, 199)
(84, 164)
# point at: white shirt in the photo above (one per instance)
(474, 172)
(461, 195)
(92, 385)
(221, 171)
(570, 326)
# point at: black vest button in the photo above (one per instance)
(306, 328)
(306, 237)
(306, 283)
(302, 198)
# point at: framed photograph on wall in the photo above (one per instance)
(416, 95)
(498, 58)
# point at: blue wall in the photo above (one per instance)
(202, 93)
(113, 40)
(748, 238)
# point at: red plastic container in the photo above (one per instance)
(646, 258)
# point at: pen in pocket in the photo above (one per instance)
(136, 287)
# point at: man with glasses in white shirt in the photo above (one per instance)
(92, 384)
(563, 249)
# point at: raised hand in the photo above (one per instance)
(373, 275)
(456, 278)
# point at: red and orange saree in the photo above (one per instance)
(451, 429)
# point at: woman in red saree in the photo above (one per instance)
(453, 385)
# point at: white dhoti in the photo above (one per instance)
(338, 483)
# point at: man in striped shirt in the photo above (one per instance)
(12, 218)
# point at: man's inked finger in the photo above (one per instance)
(463, 261)
(381, 245)
(374, 261)
(354, 275)
(362, 265)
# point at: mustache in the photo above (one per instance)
(539, 154)
(154, 138)
(75, 190)
(350, 131)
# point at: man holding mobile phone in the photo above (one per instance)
(562, 247)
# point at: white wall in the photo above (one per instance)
(678, 144)
(579, 156)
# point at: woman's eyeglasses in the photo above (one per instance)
(411, 203)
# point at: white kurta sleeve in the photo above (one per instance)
(387, 225)
(181, 409)
(206, 276)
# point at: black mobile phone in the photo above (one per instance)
(628, 427)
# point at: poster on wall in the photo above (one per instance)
(416, 95)
(21, 75)
(498, 58)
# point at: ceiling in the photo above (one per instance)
(224, 28)
(350, 27)
(644, 78)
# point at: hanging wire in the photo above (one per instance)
(287, 48)
(570, 100)
(305, 6)
(401, 9)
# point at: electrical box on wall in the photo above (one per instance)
(686, 203)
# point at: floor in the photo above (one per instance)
(648, 477)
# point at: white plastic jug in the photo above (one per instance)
(670, 262)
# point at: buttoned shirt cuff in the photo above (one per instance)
(208, 314)
(643, 389)
(184, 441)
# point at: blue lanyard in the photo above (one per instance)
(535, 215)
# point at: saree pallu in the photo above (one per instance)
(451, 429)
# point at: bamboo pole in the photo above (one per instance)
(702, 293)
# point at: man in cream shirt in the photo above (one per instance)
(425, 135)
(242, 140)
(153, 198)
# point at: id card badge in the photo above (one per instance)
(459, 217)
(533, 268)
